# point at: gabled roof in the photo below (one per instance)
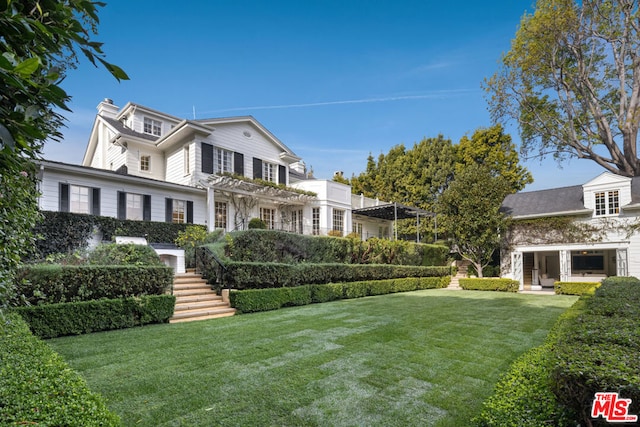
(552, 202)
(559, 201)
(123, 130)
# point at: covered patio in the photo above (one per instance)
(394, 212)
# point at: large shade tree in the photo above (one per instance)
(39, 43)
(571, 80)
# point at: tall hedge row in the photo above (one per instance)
(280, 247)
(49, 284)
(251, 275)
(38, 388)
(65, 232)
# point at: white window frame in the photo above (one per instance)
(151, 126)
(221, 215)
(135, 207)
(187, 160)
(607, 203)
(145, 163)
(315, 221)
(179, 211)
(79, 199)
(268, 215)
(222, 161)
(269, 172)
(338, 220)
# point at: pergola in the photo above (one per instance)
(394, 212)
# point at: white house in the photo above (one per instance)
(578, 233)
(143, 164)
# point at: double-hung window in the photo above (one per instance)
(134, 206)
(269, 172)
(145, 163)
(179, 211)
(79, 201)
(607, 203)
(152, 127)
(338, 220)
(315, 221)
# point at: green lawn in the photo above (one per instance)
(411, 359)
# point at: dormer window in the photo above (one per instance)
(152, 127)
(607, 203)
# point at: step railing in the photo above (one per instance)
(203, 255)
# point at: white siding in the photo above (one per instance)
(175, 164)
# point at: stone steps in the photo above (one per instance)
(195, 300)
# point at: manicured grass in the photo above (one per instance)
(417, 358)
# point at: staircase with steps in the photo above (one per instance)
(463, 267)
(195, 300)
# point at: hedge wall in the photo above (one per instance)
(489, 284)
(575, 288)
(38, 388)
(74, 318)
(281, 247)
(65, 232)
(253, 300)
(246, 275)
(49, 284)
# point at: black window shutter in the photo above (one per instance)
(282, 174)
(189, 212)
(64, 198)
(207, 157)
(238, 163)
(168, 210)
(146, 207)
(122, 205)
(257, 168)
(95, 201)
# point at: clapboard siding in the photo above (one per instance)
(109, 188)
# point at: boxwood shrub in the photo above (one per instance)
(253, 300)
(74, 318)
(575, 288)
(50, 284)
(246, 275)
(38, 388)
(490, 284)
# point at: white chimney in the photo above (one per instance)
(107, 109)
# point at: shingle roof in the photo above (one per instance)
(123, 130)
(552, 201)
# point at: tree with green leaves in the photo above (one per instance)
(39, 44)
(469, 209)
(572, 82)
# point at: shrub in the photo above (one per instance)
(38, 388)
(326, 292)
(74, 318)
(575, 288)
(257, 223)
(123, 254)
(48, 284)
(490, 284)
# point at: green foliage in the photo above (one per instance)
(66, 232)
(490, 284)
(257, 224)
(39, 44)
(245, 275)
(38, 388)
(254, 300)
(470, 211)
(192, 237)
(564, 229)
(82, 317)
(48, 284)
(598, 349)
(575, 288)
(123, 254)
(567, 80)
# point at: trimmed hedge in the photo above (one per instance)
(282, 247)
(74, 318)
(490, 284)
(253, 300)
(594, 347)
(246, 275)
(575, 288)
(50, 284)
(600, 349)
(65, 232)
(38, 388)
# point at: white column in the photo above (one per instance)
(621, 262)
(517, 268)
(211, 210)
(565, 266)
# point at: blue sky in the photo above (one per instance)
(333, 80)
